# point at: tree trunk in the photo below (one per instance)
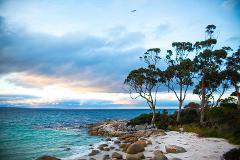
(153, 116)
(203, 101)
(180, 101)
(238, 104)
(238, 95)
(179, 111)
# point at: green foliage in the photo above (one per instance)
(233, 154)
(203, 131)
(233, 74)
(162, 120)
(145, 81)
(192, 105)
(221, 122)
(180, 71)
(189, 116)
(229, 102)
(142, 119)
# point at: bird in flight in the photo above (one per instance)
(134, 10)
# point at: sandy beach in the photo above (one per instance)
(195, 147)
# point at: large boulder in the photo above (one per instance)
(106, 157)
(108, 139)
(135, 148)
(117, 142)
(142, 142)
(125, 147)
(102, 146)
(116, 155)
(158, 155)
(135, 152)
(47, 158)
(137, 156)
(94, 152)
(174, 149)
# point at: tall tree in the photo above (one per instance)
(207, 62)
(178, 76)
(233, 71)
(144, 82)
(215, 86)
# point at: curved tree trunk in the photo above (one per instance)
(179, 111)
(203, 101)
(153, 116)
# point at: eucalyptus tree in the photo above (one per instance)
(207, 62)
(233, 71)
(144, 82)
(180, 71)
(216, 84)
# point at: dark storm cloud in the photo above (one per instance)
(99, 60)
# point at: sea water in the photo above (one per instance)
(26, 134)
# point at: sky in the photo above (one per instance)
(76, 54)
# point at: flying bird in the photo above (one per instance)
(134, 10)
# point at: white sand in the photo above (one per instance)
(197, 148)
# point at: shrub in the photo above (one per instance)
(189, 116)
(162, 120)
(192, 105)
(233, 154)
(230, 102)
(141, 119)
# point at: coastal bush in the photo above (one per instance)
(233, 154)
(229, 102)
(189, 116)
(225, 119)
(221, 122)
(142, 119)
(162, 120)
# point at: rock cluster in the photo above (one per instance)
(108, 128)
(131, 140)
(118, 128)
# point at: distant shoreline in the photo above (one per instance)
(87, 108)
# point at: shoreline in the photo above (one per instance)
(157, 143)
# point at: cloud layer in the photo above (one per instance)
(65, 51)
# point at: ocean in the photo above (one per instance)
(26, 134)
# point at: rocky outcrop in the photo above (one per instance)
(119, 128)
(174, 149)
(113, 128)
